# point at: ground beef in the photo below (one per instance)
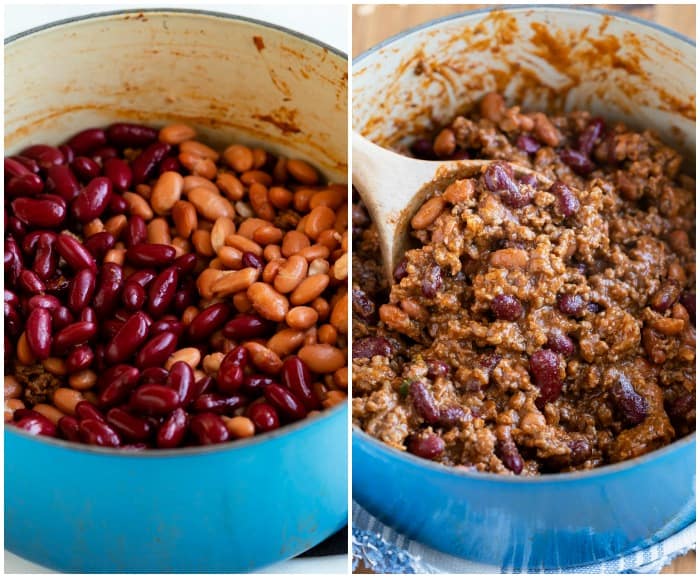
(536, 327)
(38, 383)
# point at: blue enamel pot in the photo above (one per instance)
(420, 80)
(230, 508)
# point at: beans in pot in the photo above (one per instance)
(161, 293)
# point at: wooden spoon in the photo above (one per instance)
(393, 187)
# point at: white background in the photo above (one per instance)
(328, 23)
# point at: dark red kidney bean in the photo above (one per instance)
(85, 168)
(498, 176)
(61, 181)
(47, 211)
(182, 300)
(67, 152)
(437, 368)
(571, 304)
(252, 260)
(98, 433)
(74, 334)
(31, 240)
(169, 164)
(162, 292)
(45, 155)
(92, 201)
(185, 264)
(133, 296)
(108, 289)
(264, 416)
(30, 164)
(567, 202)
(368, 347)
(424, 402)
(577, 162)
(79, 358)
(14, 323)
(208, 321)
(181, 379)
(14, 168)
(119, 172)
(297, 378)
(173, 430)
(123, 134)
(85, 410)
(11, 298)
(143, 277)
(154, 375)
(544, 365)
(128, 339)
(428, 446)
(154, 399)
(208, 428)
(117, 383)
(400, 272)
(253, 383)
(432, 282)
(69, 428)
(9, 345)
(506, 307)
(230, 377)
(100, 364)
(170, 324)
(87, 140)
(62, 318)
(117, 204)
(665, 296)
(144, 166)
(559, 342)
(150, 255)
(13, 260)
(528, 144)
(99, 243)
(129, 426)
(74, 252)
(590, 135)
(509, 454)
(688, 301)
(45, 259)
(15, 227)
(29, 185)
(247, 326)
(103, 154)
(217, 403)
(38, 332)
(88, 314)
(37, 425)
(529, 180)
(422, 148)
(679, 408)
(633, 407)
(285, 401)
(156, 350)
(105, 378)
(82, 289)
(30, 282)
(201, 386)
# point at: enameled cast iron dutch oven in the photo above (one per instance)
(542, 57)
(233, 507)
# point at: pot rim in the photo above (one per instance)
(241, 444)
(520, 8)
(174, 11)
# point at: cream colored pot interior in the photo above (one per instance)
(231, 78)
(545, 57)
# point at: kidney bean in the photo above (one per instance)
(61, 317)
(36, 425)
(29, 185)
(45, 259)
(98, 433)
(75, 254)
(181, 379)
(432, 282)
(104, 153)
(15, 227)
(506, 307)
(74, 334)
(590, 135)
(424, 402)
(633, 407)
(119, 173)
(208, 428)
(168, 323)
(208, 321)
(428, 446)
(230, 376)
(12, 299)
(246, 326)
(216, 403)
(30, 282)
(150, 255)
(92, 201)
(285, 401)
(87, 140)
(297, 379)
(85, 168)
(31, 241)
(129, 426)
(173, 430)
(567, 202)
(28, 163)
(79, 358)
(38, 333)
(665, 296)
(528, 144)
(154, 375)
(577, 161)
(118, 204)
(571, 304)
(544, 365)
(99, 243)
(368, 347)
(133, 296)
(69, 428)
(688, 301)
(14, 168)
(123, 135)
(13, 260)
(14, 324)
(47, 211)
(86, 410)
(45, 155)
(254, 383)
(142, 277)
(154, 399)
(143, 166)
(509, 454)
(81, 290)
(264, 416)
(67, 152)
(162, 292)
(559, 342)
(136, 232)
(128, 339)
(185, 264)
(61, 181)
(88, 314)
(108, 289)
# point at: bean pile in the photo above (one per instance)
(160, 294)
